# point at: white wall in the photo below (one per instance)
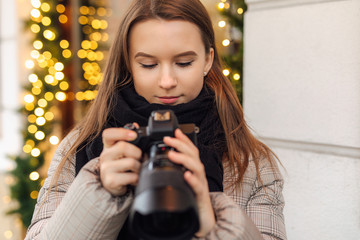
(10, 137)
(302, 97)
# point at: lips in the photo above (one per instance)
(168, 99)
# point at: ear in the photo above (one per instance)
(209, 60)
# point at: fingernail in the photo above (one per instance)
(132, 135)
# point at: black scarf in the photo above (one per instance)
(130, 107)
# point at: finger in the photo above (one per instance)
(127, 149)
(112, 135)
(187, 161)
(120, 150)
(181, 146)
(194, 183)
(123, 165)
(182, 136)
(117, 182)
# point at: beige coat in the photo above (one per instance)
(80, 208)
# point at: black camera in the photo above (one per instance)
(164, 206)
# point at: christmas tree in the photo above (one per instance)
(53, 89)
(233, 12)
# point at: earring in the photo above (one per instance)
(205, 74)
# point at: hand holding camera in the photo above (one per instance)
(119, 160)
(172, 198)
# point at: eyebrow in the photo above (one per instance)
(184, 54)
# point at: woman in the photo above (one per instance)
(163, 57)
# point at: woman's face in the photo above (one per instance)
(168, 60)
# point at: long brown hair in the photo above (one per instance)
(241, 144)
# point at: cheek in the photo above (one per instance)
(194, 86)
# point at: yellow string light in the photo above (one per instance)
(105, 37)
(52, 70)
(36, 3)
(49, 79)
(40, 121)
(34, 194)
(35, 152)
(45, 7)
(32, 118)
(61, 96)
(59, 76)
(84, 10)
(54, 140)
(29, 98)
(221, 6)
(83, 20)
(92, 10)
(49, 96)
(49, 116)
(222, 23)
(64, 44)
(39, 112)
(96, 24)
(35, 28)
(236, 77)
(66, 53)
(63, 18)
(33, 78)
(46, 21)
(38, 44)
(27, 148)
(32, 128)
(35, 13)
(64, 86)
(30, 143)
(103, 24)
(29, 106)
(36, 91)
(101, 12)
(79, 96)
(29, 64)
(35, 54)
(39, 135)
(50, 35)
(47, 55)
(226, 42)
(93, 45)
(38, 84)
(226, 72)
(60, 8)
(59, 66)
(34, 176)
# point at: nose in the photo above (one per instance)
(167, 79)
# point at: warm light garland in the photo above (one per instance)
(92, 53)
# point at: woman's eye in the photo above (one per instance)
(184, 64)
(148, 66)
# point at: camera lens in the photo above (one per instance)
(172, 222)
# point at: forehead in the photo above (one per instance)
(158, 35)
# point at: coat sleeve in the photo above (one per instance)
(76, 208)
(261, 199)
(266, 202)
(232, 223)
